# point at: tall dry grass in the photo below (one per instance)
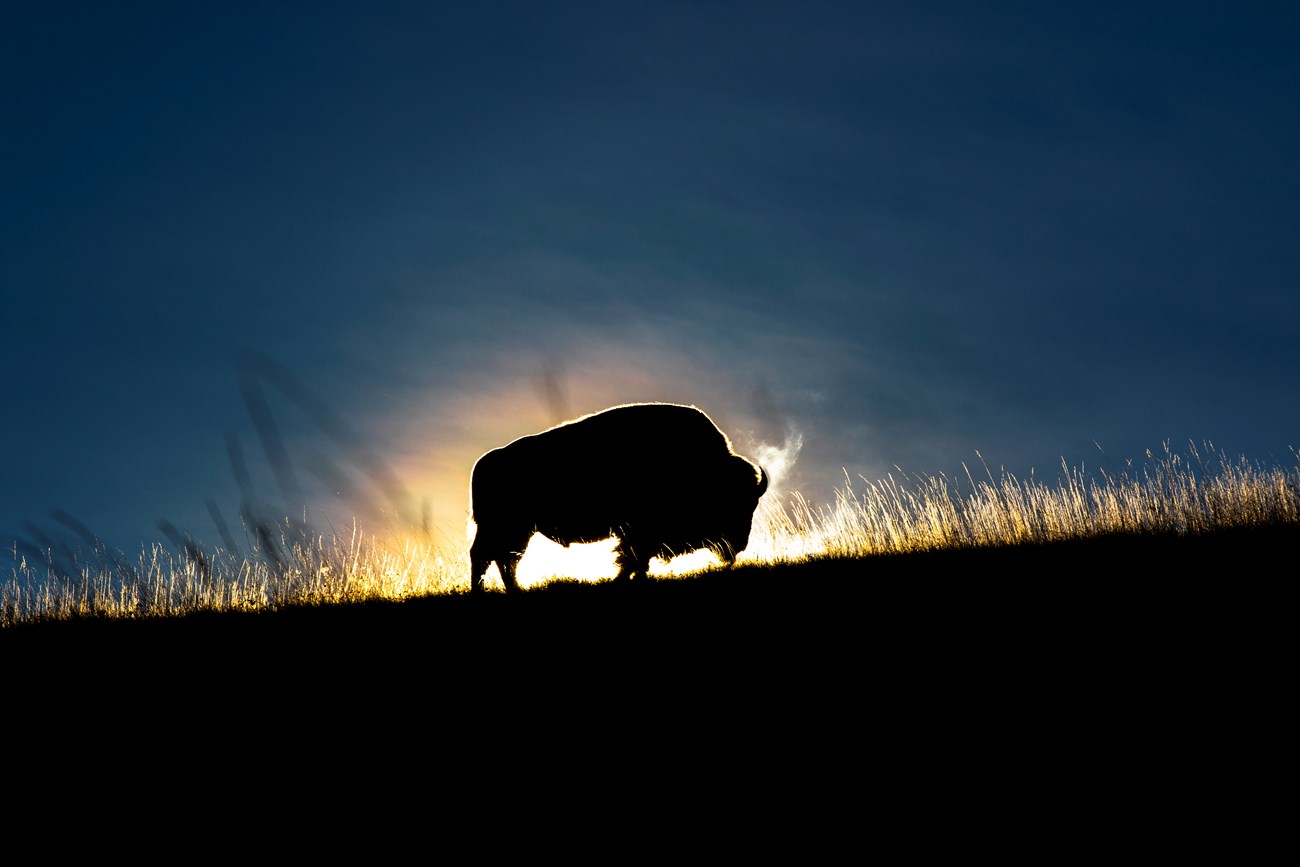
(1197, 491)
(161, 581)
(1193, 492)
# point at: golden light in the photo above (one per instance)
(545, 560)
(440, 439)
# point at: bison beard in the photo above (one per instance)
(662, 478)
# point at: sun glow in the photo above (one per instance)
(545, 560)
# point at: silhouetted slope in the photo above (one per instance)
(1073, 602)
(1063, 697)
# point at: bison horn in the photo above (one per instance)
(762, 481)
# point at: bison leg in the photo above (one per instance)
(507, 565)
(487, 550)
(630, 563)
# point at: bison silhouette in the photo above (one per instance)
(660, 477)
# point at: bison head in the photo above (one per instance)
(736, 518)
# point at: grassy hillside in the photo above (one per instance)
(1097, 666)
(1145, 616)
(1079, 694)
(1104, 594)
(286, 563)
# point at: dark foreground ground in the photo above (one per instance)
(1143, 613)
(1126, 694)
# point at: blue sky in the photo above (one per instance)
(896, 234)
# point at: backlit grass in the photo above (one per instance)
(1197, 491)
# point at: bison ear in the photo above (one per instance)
(762, 481)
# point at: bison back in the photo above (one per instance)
(581, 480)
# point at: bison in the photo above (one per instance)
(660, 477)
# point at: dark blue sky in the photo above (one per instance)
(898, 233)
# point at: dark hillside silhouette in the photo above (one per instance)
(1135, 614)
(1069, 690)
